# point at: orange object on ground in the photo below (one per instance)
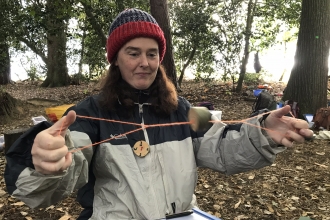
(55, 113)
(264, 87)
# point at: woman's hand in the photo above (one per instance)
(49, 153)
(284, 130)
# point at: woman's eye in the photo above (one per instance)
(133, 54)
(152, 55)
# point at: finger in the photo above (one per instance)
(293, 136)
(50, 155)
(281, 111)
(50, 167)
(299, 124)
(62, 125)
(286, 142)
(68, 161)
(307, 133)
(47, 141)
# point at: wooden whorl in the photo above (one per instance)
(200, 118)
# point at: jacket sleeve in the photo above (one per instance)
(236, 148)
(36, 189)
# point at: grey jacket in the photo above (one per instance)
(125, 186)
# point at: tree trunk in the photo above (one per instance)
(249, 21)
(5, 31)
(308, 80)
(90, 14)
(57, 72)
(284, 71)
(191, 56)
(4, 63)
(257, 65)
(159, 11)
(7, 104)
(80, 65)
(12, 135)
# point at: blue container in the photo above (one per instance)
(256, 92)
(279, 105)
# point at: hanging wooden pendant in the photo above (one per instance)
(141, 148)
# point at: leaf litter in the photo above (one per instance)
(297, 184)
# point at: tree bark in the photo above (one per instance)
(191, 56)
(5, 32)
(7, 104)
(4, 63)
(159, 11)
(57, 71)
(249, 21)
(308, 80)
(80, 65)
(11, 136)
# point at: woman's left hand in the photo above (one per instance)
(284, 130)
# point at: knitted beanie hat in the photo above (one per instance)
(133, 23)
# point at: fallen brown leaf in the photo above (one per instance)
(18, 203)
(65, 217)
(238, 203)
(321, 165)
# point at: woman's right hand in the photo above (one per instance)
(50, 155)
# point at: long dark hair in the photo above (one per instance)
(162, 92)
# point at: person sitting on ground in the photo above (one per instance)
(148, 173)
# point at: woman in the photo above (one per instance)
(145, 174)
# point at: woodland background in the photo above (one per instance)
(210, 38)
(63, 47)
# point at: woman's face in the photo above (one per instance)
(138, 61)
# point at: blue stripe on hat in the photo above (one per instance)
(131, 15)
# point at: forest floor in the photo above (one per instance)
(296, 185)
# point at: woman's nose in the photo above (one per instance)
(144, 61)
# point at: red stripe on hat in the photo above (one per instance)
(126, 32)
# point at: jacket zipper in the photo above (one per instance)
(149, 158)
(141, 110)
(173, 207)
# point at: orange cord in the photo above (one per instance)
(143, 126)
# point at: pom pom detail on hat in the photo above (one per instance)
(130, 24)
